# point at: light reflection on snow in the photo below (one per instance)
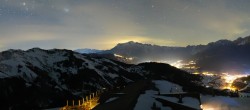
(224, 103)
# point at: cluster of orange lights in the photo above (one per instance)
(180, 64)
(229, 79)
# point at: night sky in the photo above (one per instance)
(101, 24)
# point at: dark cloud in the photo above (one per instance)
(103, 23)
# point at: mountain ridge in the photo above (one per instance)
(88, 51)
(37, 78)
(141, 52)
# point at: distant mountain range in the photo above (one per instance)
(37, 78)
(88, 51)
(222, 55)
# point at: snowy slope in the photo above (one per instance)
(145, 101)
(224, 103)
(20, 63)
(59, 71)
(38, 78)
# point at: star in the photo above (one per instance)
(153, 6)
(24, 4)
(66, 10)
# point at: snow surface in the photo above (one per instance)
(111, 99)
(53, 109)
(92, 65)
(87, 51)
(120, 93)
(23, 64)
(2, 75)
(137, 69)
(145, 101)
(191, 102)
(187, 101)
(165, 87)
(224, 103)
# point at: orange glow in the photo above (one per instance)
(229, 79)
(125, 39)
(207, 107)
(177, 64)
(230, 88)
(208, 73)
(196, 73)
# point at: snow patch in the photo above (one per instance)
(111, 99)
(167, 87)
(145, 101)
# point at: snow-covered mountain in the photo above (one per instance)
(215, 56)
(147, 52)
(225, 55)
(88, 51)
(39, 78)
(242, 41)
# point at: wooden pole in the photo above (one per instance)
(79, 102)
(82, 101)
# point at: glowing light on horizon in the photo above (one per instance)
(123, 57)
(177, 64)
(196, 73)
(125, 39)
(207, 107)
(230, 78)
(208, 73)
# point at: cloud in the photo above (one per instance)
(102, 24)
(198, 22)
(9, 38)
(99, 24)
(102, 18)
(82, 24)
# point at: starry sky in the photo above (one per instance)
(101, 24)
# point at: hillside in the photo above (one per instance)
(225, 55)
(39, 78)
(147, 52)
(219, 56)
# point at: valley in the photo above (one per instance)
(59, 75)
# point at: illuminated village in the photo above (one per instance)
(222, 81)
